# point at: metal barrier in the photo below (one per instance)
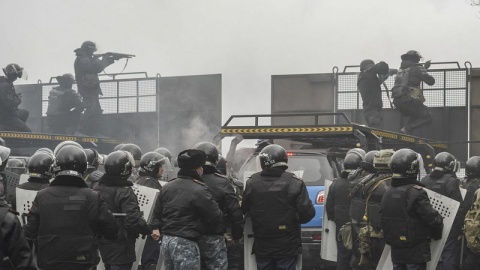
(449, 90)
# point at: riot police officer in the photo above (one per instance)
(67, 217)
(183, 211)
(365, 212)
(64, 107)
(4, 156)
(407, 94)
(408, 219)
(213, 249)
(11, 117)
(278, 203)
(171, 172)
(87, 67)
(136, 153)
(369, 84)
(115, 189)
(338, 203)
(471, 184)
(444, 181)
(40, 172)
(92, 175)
(151, 168)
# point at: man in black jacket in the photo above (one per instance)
(408, 219)
(213, 248)
(87, 67)
(11, 117)
(338, 204)
(278, 203)
(444, 181)
(64, 107)
(369, 84)
(183, 212)
(67, 217)
(408, 96)
(116, 191)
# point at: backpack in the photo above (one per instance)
(472, 225)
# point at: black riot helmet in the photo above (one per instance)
(352, 161)
(119, 163)
(367, 163)
(273, 155)
(40, 165)
(92, 158)
(89, 47)
(46, 151)
(446, 162)
(15, 163)
(366, 64)
(210, 150)
(382, 159)
(65, 143)
(118, 147)
(164, 151)
(135, 151)
(151, 163)
(2, 142)
(13, 72)
(472, 167)
(4, 155)
(412, 55)
(405, 163)
(70, 158)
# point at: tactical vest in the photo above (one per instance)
(65, 235)
(373, 192)
(400, 229)
(438, 185)
(357, 205)
(55, 100)
(273, 212)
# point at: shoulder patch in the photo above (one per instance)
(199, 182)
(418, 187)
(221, 175)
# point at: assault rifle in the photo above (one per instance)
(114, 55)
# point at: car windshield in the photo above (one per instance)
(312, 168)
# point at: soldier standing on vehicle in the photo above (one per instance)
(338, 205)
(87, 67)
(67, 217)
(369, 84)
(64, 107)
(213, 249)
(151, 169)
(116, 191)
(407, 94)
(11, 117)
(184, 210)
(408, 219)
(365, 212)
(278, 203)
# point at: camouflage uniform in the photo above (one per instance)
(180, 253)
(213, 251)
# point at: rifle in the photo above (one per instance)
(114, 55)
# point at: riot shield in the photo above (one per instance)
(24, 203)
(12, 183)
(448, 209)
(329, 243)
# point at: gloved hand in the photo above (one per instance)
(427, 64)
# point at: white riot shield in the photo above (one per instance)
(12, 182)
(448, 209)
(23, 178)
(24, 203)
(146, 201)
(248, 239)
(463, 192)
(329, 243)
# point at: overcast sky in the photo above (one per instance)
(245, 40)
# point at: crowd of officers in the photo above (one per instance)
(379, 199)
(86, 208)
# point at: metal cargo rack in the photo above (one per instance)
(348, 135)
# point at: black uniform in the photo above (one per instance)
(66, 219)
(449, 186)
(409, 101)
(409, 222)
(11, 118)
(338, 207)
(92, 179)
(471, 260)
(64, 110)
(120, 198)
(278, 203)
(369, 85)
(86, 72)
(14, 245)
(147, 180)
